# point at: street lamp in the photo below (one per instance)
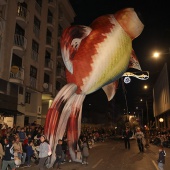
(161, 120)
(140, 116)
(146, 102)
(157, 54)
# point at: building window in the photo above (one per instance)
(33, 72)
(49, 37)
(39, 2)
(58, 85)
(59, 50)
(50, 17)
(35, 48)
(38, 6)
(16, 60)
(46, 78)
(37, 24)
(47, 55)
(27, 97)
(19, 30)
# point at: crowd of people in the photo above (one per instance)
(20, 146)
(25, 146)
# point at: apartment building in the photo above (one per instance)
(31, 67)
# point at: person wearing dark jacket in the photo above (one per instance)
(161, 159)
(30, 152)
(58, 153)
(8, 158)
(127, 134)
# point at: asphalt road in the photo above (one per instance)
(111, 155)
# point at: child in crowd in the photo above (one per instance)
(161, 159)
(30, 152)
(85, 153)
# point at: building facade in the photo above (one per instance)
(31, 67)
(161, 99)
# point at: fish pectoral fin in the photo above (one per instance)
(110, 89)
(70, 42)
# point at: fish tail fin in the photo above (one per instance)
(55, 110)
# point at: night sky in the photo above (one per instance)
(155, 15)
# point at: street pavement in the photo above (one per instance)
(111, 155)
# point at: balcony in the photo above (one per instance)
(47, 88)
(20, 42)
(16, 75)
(36, 31)
(52, 5)
(34, 55)
(49, 43)
(48, 64)
(33, 82)
(22, 16)
(38, 8)
(50, 23)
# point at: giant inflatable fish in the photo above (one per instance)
(95, 57)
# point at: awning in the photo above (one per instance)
(7, 112)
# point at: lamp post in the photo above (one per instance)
(141, 122)
(147, 115)
(146, 101)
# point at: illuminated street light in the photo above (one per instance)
(145, 87)
(161, 120)
(156, 54)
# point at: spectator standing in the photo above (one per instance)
(85, 153)
(58, 153)
(29, 152)
(18, 150)
(43, 152)
(64, 148)
(34, 123)
(127, 134)
(139, 136)
(161, 158)
(8, 158)
(1, 154)
(22, 135)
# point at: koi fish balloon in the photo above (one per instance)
(95, 57)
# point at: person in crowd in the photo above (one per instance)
(64, 148)
(22, 135)
(85, 152)
(8, 158)
(43, 152)
(58, 153)
(139, 136)
(1, 154)
(18, 150)
(161, 158)
(127, 134)
(34, 123)
(29, 152)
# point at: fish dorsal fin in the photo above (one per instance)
(134, 63)
(70, 42)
